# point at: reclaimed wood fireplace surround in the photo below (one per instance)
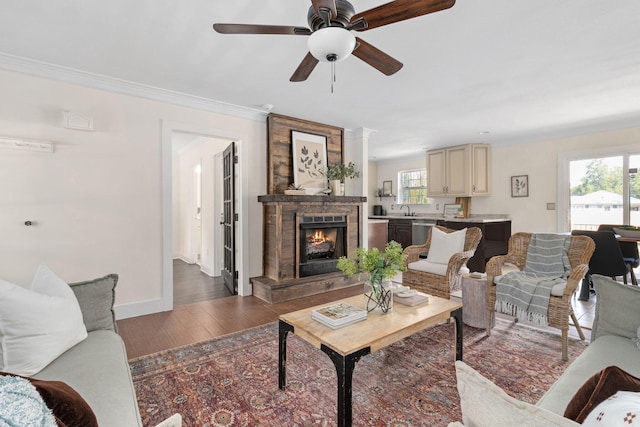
(283, 215)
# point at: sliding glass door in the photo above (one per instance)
(634, 190)
(604, 189)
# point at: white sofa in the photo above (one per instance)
(94, 365)
(97, 367)
(615, 327)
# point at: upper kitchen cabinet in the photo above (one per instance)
(459, 171)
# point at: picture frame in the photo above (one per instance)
(520, 186)
(387, 188)
(309, 161)
(451, 211)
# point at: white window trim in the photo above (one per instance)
(400, 186)
(564, 179)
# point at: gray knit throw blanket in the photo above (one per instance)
(525, 294)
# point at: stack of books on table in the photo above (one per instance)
(411, 298)
(338, 315)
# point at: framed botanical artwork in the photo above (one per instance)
(309, 161)
(520, 186)
(387, 188)
(451, 211)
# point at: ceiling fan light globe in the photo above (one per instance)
(331, 44)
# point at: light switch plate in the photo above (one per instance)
(551, 206)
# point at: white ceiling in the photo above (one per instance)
(519, 69)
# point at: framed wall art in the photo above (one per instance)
(520, 186)
(387, 188)
(309, 161)
(451, 211)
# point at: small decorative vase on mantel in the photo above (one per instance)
(337, 187)
(336, 175)
(381, 267)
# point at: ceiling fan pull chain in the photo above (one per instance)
(333, 74)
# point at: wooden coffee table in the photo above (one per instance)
(345, 346)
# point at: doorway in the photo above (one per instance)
(196, 206)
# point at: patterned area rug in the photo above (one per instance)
(233, 380)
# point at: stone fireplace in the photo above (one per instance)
(303, 238)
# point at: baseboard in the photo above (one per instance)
(125, 311)
(206, 270)
(184, 259)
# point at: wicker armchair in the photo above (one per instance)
(560, 309)
(435, 284)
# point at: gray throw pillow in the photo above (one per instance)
(96, 298)
(616, 308)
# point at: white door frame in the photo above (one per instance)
(218, 240)
(242, 252)
(564, 192)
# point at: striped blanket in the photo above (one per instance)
(525, 294)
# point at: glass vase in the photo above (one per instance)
(378, 296)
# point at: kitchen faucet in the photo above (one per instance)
(408, 209)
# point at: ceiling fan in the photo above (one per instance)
(331, 23)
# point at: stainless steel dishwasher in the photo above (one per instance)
(420, 230)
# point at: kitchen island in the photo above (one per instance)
(496, 230)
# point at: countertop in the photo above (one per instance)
(435, 217)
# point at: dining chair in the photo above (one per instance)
(606, 260)
(629, 251)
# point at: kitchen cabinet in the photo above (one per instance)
(400, 231)
(460, 171)
(494, 241)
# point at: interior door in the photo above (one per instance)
(229, 274)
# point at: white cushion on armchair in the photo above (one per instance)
(428, 267)
(444, 245)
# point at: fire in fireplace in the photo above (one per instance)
(322, 242)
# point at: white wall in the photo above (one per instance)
(538, 160)
(97, 200)
(388, 171)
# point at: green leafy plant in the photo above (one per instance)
(628, 227)
(342, 171)
(378, 265)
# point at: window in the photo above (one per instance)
(599, 187)
(413, 186)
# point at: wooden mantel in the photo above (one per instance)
(281, 215)
(307, 198)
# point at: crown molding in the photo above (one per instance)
(70, 75)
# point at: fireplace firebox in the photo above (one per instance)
(322, 242)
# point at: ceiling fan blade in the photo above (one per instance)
(399, 10)
(260, 29)
(329, 5)
(304, 69)
(376, 58)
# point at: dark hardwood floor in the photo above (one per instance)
(192, 285)
(200, 321)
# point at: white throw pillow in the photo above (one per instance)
(621, 409)
(444, 245)
(484, 404)
(174, 420)
(38, 324)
